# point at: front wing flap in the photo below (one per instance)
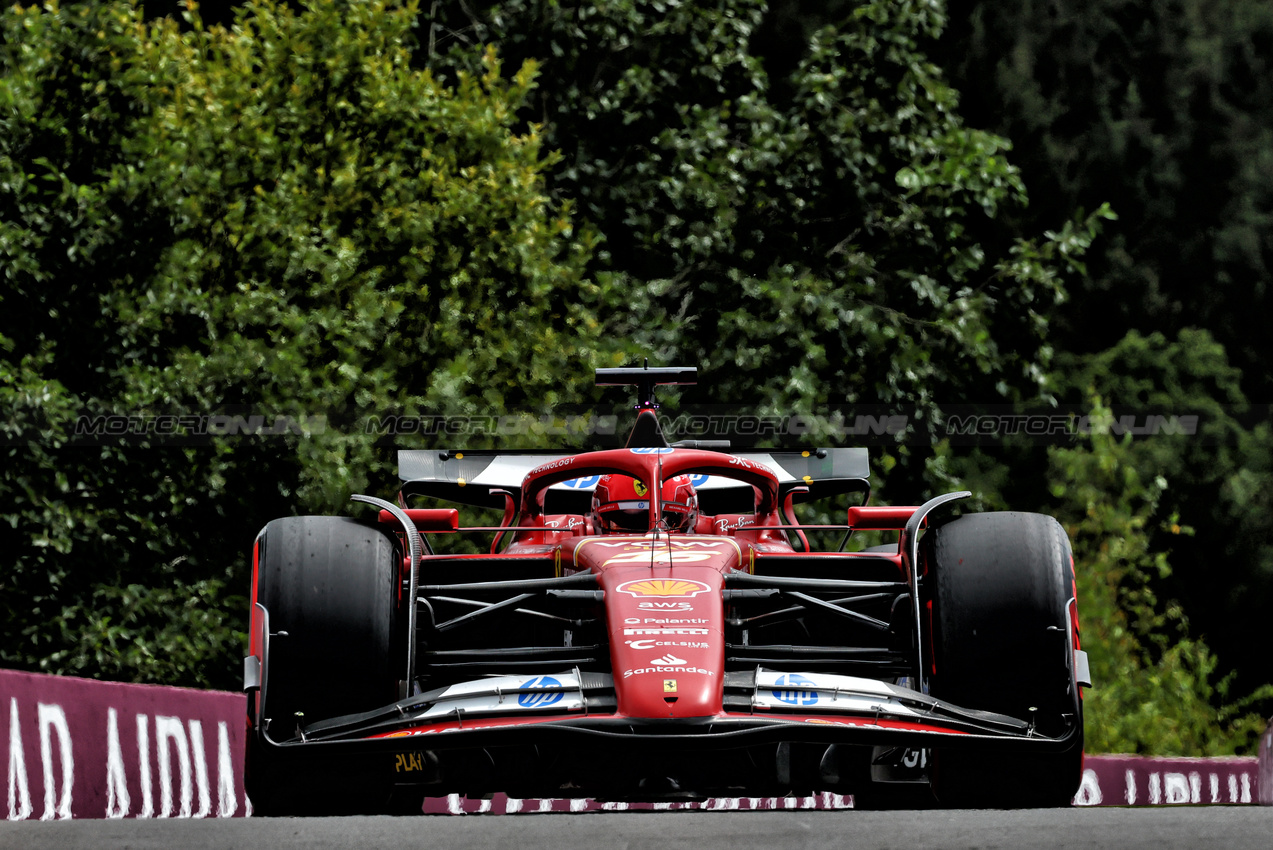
(760, 705)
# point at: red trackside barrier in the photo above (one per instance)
(86, 749)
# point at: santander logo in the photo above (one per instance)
(668, 659)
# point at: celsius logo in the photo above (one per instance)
(786, 690)
(668, 659)
(540, 700)
(650, 643)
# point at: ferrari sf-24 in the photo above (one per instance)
(651, 623)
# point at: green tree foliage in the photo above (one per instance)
(352, 210)
(295, 217)
(1217, 480)
(811, 237)
(1162, 109)
(285, 219)
(1157, 690)
(1182, 630)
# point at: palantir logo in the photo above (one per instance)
(540, 700)
(790, 690)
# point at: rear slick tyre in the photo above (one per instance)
(330, 587)
(1000, 587)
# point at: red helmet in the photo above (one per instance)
(622, 503)
(680, 504)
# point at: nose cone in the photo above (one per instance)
(666, 621)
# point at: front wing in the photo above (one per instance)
(759, 706)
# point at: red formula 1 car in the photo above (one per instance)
(651, 623)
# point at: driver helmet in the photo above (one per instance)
(680, 504)
(621, 503)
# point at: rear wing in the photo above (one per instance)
(470, 477)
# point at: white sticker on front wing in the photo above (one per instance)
(825, 692)
(558, 692)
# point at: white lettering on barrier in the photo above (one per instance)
(143, 761)
(170, 730)
(1171, 788)
(19, 790)
(1089, 793)
(117, 800)
(1175, 789)
(191, 757)
(200, 769)
(227, 799)
(59, 743)
(52, 718)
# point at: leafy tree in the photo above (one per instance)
(1128, 501)
(1216, 476)
(81, 522)
(812, 239)
(1156, 691)
(285, 218)
(1161, 109)
(327, 214)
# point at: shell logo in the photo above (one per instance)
(663, 587)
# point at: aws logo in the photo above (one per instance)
(663, 588)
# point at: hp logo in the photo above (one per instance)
(540, 700)
(786, 690)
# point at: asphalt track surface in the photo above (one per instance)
(1228, 828)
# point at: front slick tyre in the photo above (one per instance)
(1001, 590)
(330, 587)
